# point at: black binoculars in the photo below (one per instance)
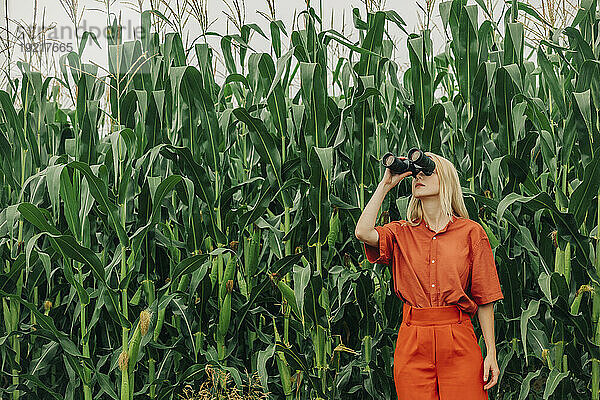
(417, 161)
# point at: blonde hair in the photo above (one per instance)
(451, 197)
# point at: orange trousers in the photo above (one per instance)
(437, 356)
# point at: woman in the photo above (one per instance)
(444, 272)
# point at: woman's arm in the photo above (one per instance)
(365, 227)
(491, 371)
(485, 314)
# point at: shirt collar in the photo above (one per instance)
(452, 219)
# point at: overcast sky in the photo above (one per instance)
(337, 14)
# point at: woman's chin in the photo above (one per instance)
(420, 195)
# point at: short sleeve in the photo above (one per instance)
(485, 285)
(383, 253)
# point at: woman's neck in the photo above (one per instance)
(432, 212)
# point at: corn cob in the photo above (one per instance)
(225, 314)
(334, 229)
(160, 319)
(123, 366)
(282, 366)
(140, 331)
(289, 296)
(227, 275)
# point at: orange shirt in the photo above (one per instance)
(454, 266)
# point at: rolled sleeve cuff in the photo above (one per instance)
(379, 255)
(488, 299)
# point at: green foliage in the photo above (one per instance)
(129, 208)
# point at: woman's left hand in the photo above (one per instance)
(490, 371)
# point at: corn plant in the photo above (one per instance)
(165, 225)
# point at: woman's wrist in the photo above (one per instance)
(383, 187)
(491, 350)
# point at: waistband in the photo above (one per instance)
(441, 315)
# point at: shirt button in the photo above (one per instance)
(432, 261)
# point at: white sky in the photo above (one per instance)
(93, 17)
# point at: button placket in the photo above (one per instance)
(435, 283)
(433, 272)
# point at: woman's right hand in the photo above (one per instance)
(390, 180)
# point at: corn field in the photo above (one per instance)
(165, 224)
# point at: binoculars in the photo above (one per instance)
(417, 161)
